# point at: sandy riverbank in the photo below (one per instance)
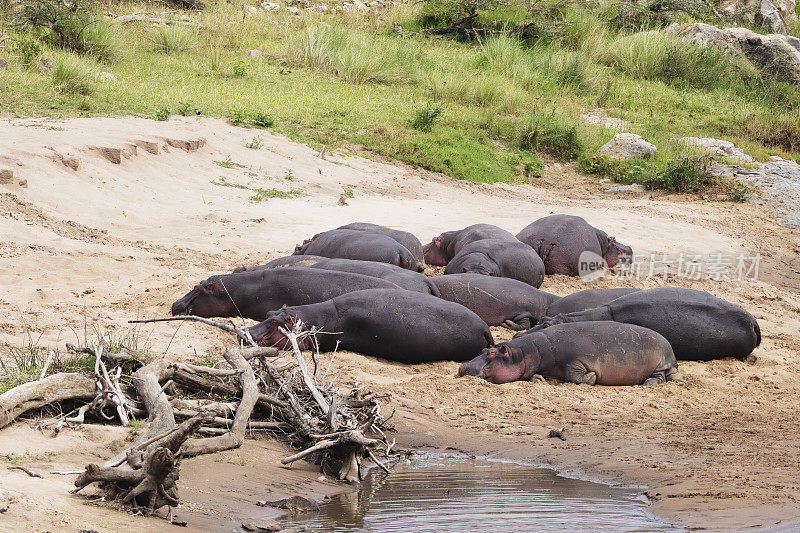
(121, 216)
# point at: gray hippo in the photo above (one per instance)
(443, 248)
(405, 279)
(409, 240)
(602, 353)
(501, 258)
(498, 301)
(362, 245)
(254, 294)
(698, 325)
(561, 239)
(399, 325)
(586, 299)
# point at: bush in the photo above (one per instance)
(775, 133)
(70, 76)
(28, 47)
(70, 25)
(682, 174)
(172, 39)
(262, 120)
(552, 135)
(638, 15)
(160, 113)
(238, 117)
(424, 118)
(240, 69)
(185, 109)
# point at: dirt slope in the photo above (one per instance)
(119, 217)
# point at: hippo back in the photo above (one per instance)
(559, 240)
(587, 299)
(361, 245)
(409, 240)
(499, 257)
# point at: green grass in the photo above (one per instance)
(355, 80)
(265, 194)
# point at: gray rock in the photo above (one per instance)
(626, 146)
(717, 148)
(633, 187)
(260, 525)
(775, 54)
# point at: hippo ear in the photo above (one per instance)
(438, 241)
(611, 241)
(283, 306)
(213, 287)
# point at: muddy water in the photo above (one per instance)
(440, 494)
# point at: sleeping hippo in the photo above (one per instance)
(409, 240)
(443, 248)
(254, 294)
(698, 325)
(602, 353)
(498, 301)
(399, 325)
(586, 299)
(362, 245)
(500, 258)
(561, 239)
(405, 279)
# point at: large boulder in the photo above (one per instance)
(772, 15)
(626, 146)
(776, 55)
(717, 148)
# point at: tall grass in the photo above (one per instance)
(71, 75)
(173, 39)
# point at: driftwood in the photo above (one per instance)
(181, 400)
(139, 17)
(36, 394)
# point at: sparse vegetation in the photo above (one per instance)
(262, 120)
(347, 192)
(160, 113)
(229, 163)
(424, 118)
(265, 194)
(255, 143)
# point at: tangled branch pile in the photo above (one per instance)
(195, 410)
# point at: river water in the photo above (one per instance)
(445, 493)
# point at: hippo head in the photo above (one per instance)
(208, 298)
(266, 333)
(503, 363)
(616, 252)
(301, 248)
(434, 252)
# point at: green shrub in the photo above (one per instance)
(424, 118)
(739, 192)
(239, 68)
(70, 75)
(69, 25)
(99, 40)
(185, 109)
(172, 39)
(552, 135)
(262, 120)
(28, 47)
(160, 113)
(238, 117)
(775, 132)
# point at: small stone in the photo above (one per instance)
(260, 525)
(633, 187)
(270, 6)
(293, 9)
(6, 175)
(3, 63)
(23, 184)
(254, 53)
(342, 200)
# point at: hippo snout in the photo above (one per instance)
(179, 308)
(472, 368)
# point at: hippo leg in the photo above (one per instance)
(576, 372)
(515, 325)
(672, 374)
(537, 378)
(658, 377)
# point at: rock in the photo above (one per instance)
(260, 525)
(254, 53)
(717, 148)
(3, 63)
(776, 55)
(23, 184)
(611, 123)
(626, 146)
(6, 175)
(250, 9)
(295, 504)
(270, 6)
(776, 16)
(293, 9)
(106, 76)
(672, 30)
(633, 187)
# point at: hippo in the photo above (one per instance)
(395, 324)
(501, 258)
(409, 240)
(254, 294)
(698, 325)
(405, 279)
(498, 301)
(561, 239)
(586, 299)
(443, 248)
(602, 353)
(362, 245)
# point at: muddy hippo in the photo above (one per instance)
(500, 258)
(602, 353)
(405, 279)
(254, 294)
(561, 239)
(395, 324)
(498, 301)
(586, 299)
(698, 325)
(362, 245)
(409, 240)
(443, 248)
